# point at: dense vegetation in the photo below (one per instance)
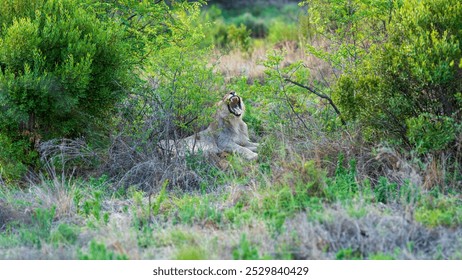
(356, 105)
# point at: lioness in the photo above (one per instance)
(227, 133)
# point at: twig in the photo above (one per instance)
(321, 95)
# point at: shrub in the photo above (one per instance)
(280, 31)
(182, 85)
(239, 37)
(60, 73)
(215, 28)
(12, 159)
(406, 89)
(257, 27)
(385, 192)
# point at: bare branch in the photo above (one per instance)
(321, 95)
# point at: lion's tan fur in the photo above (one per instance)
(227, 133)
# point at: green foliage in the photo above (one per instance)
(145, 237)
(11, 10)
(385, 192)
(98, 251)
(245, 250)
(161, 196)
(348, 254)
(191, 253)
(280, 31)
(215, 29)
(140, 210)
(93, 206)
(439, 211)
(192, 209)
(64, 234)
(406, 89)
(89, 203)
(285, 104)
(239, 37)
(40, 230)
(238, 27)
(181, 85)
(345, 25)
(60, 73)
(257, 27)
(147, 24)
(381, 256)
(64, 49)
(343, 186)
(302, 188)
(212, 175)
(428, 132)
(8, 239)
(13, 162)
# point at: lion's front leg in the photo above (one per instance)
(243, 139)
(247, 144)
(252, 146)
(245, 152)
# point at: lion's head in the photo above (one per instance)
(234, 104)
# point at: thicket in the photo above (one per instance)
(79, 69)
(399, 65)
(61, 73)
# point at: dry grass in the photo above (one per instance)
(58, 192)
(237, 63)
(381, 230)
(376, 232)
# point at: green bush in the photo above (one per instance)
(406, 89)
(428, 132)
(348, 254)
(215, 28)
(60, 72)
(280, 31)
(239, 37)
(257, 27)
(386, 192)
(12, 158)
(181, 85)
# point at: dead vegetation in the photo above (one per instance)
(373, 234)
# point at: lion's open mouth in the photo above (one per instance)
(234, 105)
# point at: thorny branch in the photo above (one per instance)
(321, 95)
